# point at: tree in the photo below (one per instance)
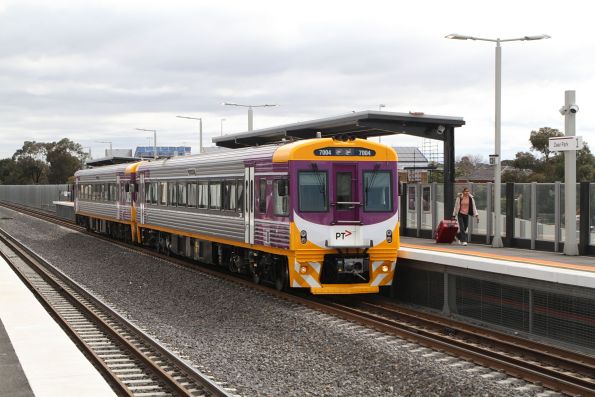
(525, 161)
(64, 157)
(8, 172)
(540, 140)
(465, 166)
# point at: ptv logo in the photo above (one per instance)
(342, 235)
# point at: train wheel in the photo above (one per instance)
(255, 274)
(281, 276)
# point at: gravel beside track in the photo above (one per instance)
(256, 344)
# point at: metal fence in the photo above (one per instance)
(36, 196)
(532, 214)
(561, 313)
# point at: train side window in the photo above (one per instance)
(148, 192)
(203, 194)
(280, 197)
(182, 194)
(240, 194)
(113, 192)
(173, 196)
(163, 193)
(127, 191)
(192, 195)
(229, 195)
(155, 193)
(215, 195)
(262, 195)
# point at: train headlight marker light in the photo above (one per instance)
(303, 269)
(389, 236)
(303, 237)
(384, 268)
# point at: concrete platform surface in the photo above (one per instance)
(539, 265)
(50, 361)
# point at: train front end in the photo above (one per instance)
(344, 218)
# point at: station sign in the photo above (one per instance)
(566, 143)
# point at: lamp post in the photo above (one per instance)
(222, 120)
(154, 141)
(497, 241)
(199, 130)
(250, 112)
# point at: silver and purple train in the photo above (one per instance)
(316, 213)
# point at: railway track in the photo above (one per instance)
(133, 363)
(553, 368)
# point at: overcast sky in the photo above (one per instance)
(96, 70)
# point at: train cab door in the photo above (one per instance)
(249, 205)
(346, 198)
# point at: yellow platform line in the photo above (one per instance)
(531, 261)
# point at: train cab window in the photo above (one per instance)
(192, 195)
(173, 194)
(281, 197)
(215, 195)
(182, 194)
(378, 191)
(240, 194)
(262, 195)
(229, 195)
(163, 193)
(203, 194)
(312, 186)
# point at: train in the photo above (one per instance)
(318, 214)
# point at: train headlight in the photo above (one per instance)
(303, 237)
(389, 236)
(384, 268)
(303, 269)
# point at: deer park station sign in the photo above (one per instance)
(566, 143)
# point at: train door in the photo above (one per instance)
(346, 197)
(249, 205)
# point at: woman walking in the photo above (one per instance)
(464, 207)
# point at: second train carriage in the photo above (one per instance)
(318, 213)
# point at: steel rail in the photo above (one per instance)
(179, 377)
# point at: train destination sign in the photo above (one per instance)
(347, 151)
(566, 143)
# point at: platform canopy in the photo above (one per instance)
(363, 124)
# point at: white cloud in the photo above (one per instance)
(96, 70)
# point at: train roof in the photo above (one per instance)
(358, 124)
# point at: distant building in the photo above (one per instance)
(413, 165)
(118, 153)
(162, 151)
(481, 173)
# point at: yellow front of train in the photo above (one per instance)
(344, 217)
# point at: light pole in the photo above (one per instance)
(154, 141)
(222, 120)
(111, 153)
(497, 241)
(382, 105)
(199, 129)
(250, 112)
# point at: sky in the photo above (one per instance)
(94, 71)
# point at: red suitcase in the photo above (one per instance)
(446, 231)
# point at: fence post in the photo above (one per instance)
(418, 203)
(509, 213)
(557, 216)
(585, 212)
(403, 210)
(434, 203)
(533, 214)
(489, 193)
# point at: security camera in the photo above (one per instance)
(573, 108)
(562, 110)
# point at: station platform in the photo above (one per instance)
(531, 264)
(36, 357)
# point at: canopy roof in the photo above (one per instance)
(363, 124)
